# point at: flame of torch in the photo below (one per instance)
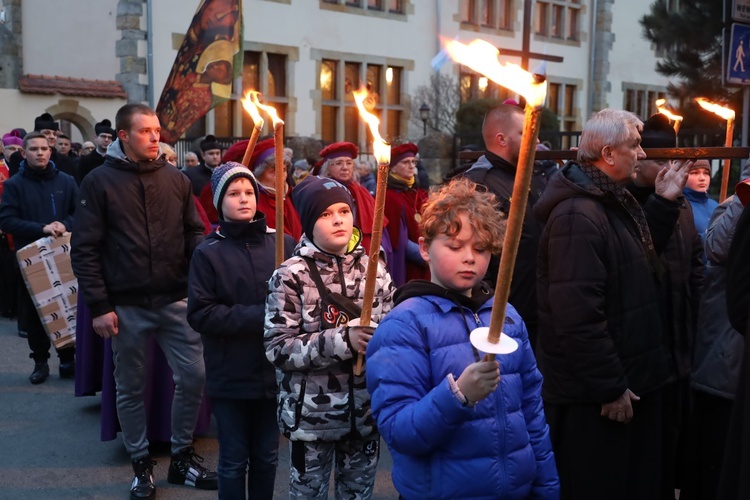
(258, 122)
(278, 144)
(676, 119)
(383, 154)
(728, 115)
(482, 58)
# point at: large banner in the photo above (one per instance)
(209, 59)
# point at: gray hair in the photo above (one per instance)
(608, 127)
(324, 169)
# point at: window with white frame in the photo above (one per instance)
(558, 19)
(263, 71)
(339, 118)
(641, 99)
(562, 99)
(388, 6)
(475, 86)
(493, 14)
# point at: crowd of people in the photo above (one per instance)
(627, 319)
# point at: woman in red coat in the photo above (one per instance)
(403, 207)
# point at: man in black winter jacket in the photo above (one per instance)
(502, 130)
(135, 230)
(38, 202)
(601, 347)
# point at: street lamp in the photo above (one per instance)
(424, 115)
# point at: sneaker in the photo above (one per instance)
(40, 373)
(186, 469)
(143, 483)
(68, 369)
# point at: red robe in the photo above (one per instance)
(401, 206)
(267, 205)
(365, 209)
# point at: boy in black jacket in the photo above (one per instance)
(229, 273)
(38, 202)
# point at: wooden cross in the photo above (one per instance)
(525, 53)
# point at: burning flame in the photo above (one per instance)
(726, 113)
(250, 107)
(270, 110)
(481, 56)
(677, 119)
(382, 148)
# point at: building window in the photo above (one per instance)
(562, 100)
(641, 99)
(558, 19)
(474, 86)
(262, 71)
(493, 14)
(390, 6)
(340, 120)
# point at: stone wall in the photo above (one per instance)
(132, 66)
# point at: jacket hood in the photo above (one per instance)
(307, 248)
(122, 162)
(571, 183)
(480, 294)
(489, 160)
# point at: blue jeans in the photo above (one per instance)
(183, 349)
(248, 447)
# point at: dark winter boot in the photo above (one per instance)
(40, 373)
(143, 483)
(186, 469)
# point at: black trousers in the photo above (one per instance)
(599, 458)
(28, 321)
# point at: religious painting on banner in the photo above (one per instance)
(208, 61)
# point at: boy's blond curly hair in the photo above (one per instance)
(442, 210)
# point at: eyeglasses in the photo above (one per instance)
(343, 163)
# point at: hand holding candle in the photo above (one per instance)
(482, 58)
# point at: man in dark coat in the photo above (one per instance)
(105, 134)
(735, 482)
(680, 290)
(135, 230)
(38, 202)
(200, 176)
(600, 345)
(502, 130)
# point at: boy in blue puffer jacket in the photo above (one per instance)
(455, 428)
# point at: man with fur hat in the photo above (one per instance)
(496, 170)
(403, 208)
(263, 165)
(680, 292)
(339, 163)
(200, 177)
(136, 227)
(104, 136)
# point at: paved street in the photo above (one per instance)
(50, 444)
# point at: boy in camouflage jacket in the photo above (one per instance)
(323, 408)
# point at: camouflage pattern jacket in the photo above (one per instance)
(320, 398)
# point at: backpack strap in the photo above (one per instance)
(315, 275)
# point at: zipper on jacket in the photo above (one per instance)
(476, 318)
(353, 418)
(54, 209)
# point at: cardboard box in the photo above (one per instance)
(48, 273)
